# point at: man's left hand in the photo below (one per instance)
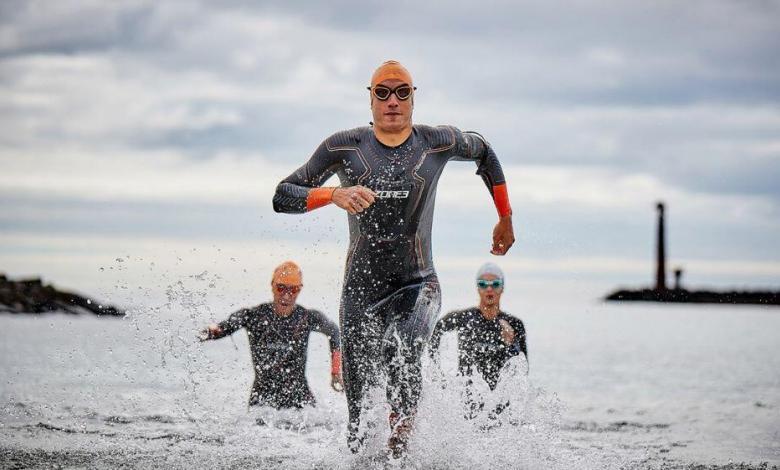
(503, 236)
(337, 382)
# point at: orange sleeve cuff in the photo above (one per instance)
(319, 197)
(335, 362)
(501, 200)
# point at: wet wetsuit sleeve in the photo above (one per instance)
(301, 192)
(234, 323)
(519, 344)
(472, 146)
(320, 322)
(448, 322)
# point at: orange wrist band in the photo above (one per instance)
(501, 200)
(319, 197)
(335, 362)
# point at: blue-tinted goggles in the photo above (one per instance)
(495, 283)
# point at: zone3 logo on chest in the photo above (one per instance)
(386, 194)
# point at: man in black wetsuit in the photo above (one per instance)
(487, 336)
(391, 297)
(279, 338)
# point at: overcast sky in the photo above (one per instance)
(158, 131)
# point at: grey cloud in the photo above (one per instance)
(279, 131)
(716, 149)
(35, 213)
(74, 27)
(543, 230)
(555, 231)
(589, 52)
(736, 176)
(686, 92)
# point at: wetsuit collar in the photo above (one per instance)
(277, 315)
(378, 139)
(498, 313)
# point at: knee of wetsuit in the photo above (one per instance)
(400, 349)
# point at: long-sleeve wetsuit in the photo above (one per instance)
(480, 350)
(391, 294)
(480, 346)
(279, 348)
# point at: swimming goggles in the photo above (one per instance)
(495, 283)
(402, 92)
(286, 289)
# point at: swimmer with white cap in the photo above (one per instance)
(487, 336)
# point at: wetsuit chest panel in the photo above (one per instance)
(391, 177)
(278, 344)
(391, 214)
(393, 234)
(480, 344)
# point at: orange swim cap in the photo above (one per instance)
(287, 273)
(391, 69)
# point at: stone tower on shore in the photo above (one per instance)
(660, 273)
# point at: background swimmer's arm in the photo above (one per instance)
(224, 328)
(472, 146)
(301, 191)
(320, 322)
(447, 323)
(519, 344)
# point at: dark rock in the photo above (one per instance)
(31, 296)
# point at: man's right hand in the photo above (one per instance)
(353, 199)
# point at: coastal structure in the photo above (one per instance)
(661, 293)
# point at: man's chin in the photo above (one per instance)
(394, 125)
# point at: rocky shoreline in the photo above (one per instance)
(32, 296)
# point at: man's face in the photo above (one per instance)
(285, 296)
(489, 296)
(392, 115)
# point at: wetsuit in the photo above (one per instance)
(279, 349)
(391, 294)
(480, 350)
(480, 347)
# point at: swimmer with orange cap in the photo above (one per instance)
(278, 338)
(388, 172)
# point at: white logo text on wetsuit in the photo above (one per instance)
(385, 194)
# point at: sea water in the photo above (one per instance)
(606, 386)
